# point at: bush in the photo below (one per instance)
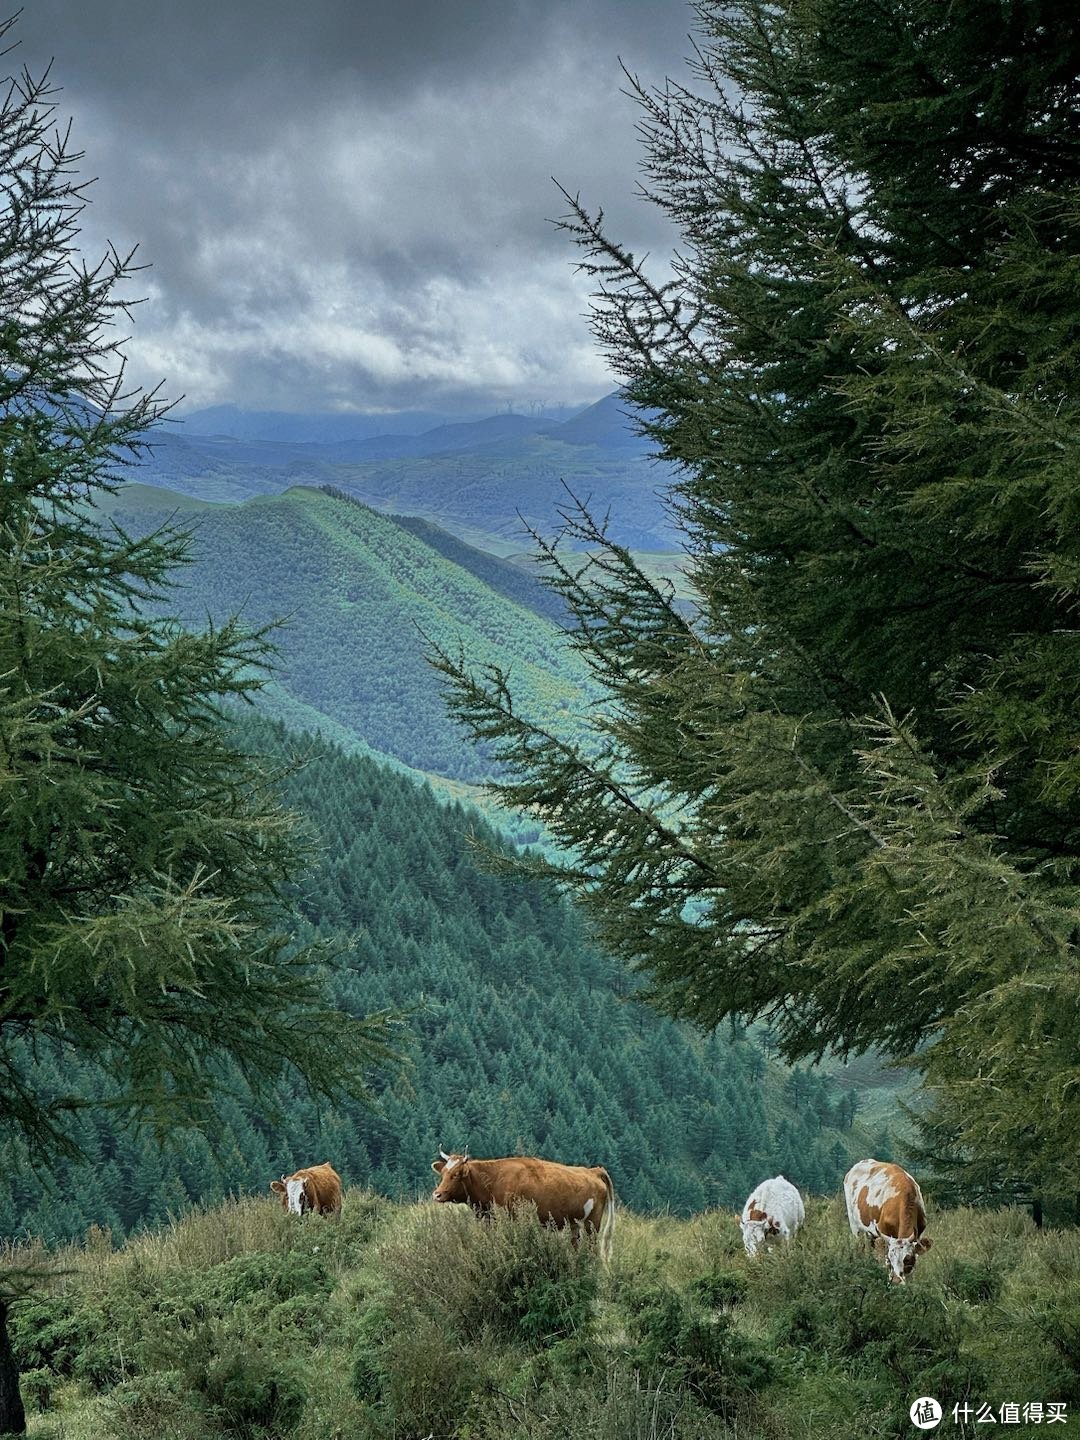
(253, 1391)
(511, 1277)
(37, 1389)
(432, 1382)
(720, 1290)
(704, 1352)
(160, 1406)
(854, 1314)
(263, 1281)
(68, 1338)
(974, 1282)
(1058, 1320)
(622, 1406)
(373, 1331)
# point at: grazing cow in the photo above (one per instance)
(580, 1196)
(774, 1208)
(885, 1202)
(315, 1187)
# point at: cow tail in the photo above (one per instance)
(607, 1224)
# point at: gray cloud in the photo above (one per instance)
(344, 205)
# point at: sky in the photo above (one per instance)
(345, 206)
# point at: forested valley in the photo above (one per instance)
(521, 1036)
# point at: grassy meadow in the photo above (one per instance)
(407, 1321)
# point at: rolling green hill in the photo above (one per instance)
(359, 593)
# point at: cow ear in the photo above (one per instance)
(923, 1245)
(438, 1165)
(277, 1187)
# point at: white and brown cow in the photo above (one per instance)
(884, 1202)
(579, 1196)
(774, 1208)
(315, 1187)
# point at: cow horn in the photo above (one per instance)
(283, 1175)
(443, 1155)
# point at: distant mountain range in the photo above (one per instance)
(484, 480)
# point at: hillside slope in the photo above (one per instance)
(519, 1032)
(361, 596)
(414, 1321)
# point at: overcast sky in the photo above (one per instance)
(344, 204)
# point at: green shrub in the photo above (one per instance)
(263, 1281)
(720, 1290)
(620, 1405)
(974, 1282)
(1058, 1322)
(906, 1334)
(372, 1333)
(432, 1382)
(704, 1352)
(161, 1406)
(37, 1389)
(511, 1277)
(67, 1337)
(253, 1391)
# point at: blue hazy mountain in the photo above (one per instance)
(480, 479)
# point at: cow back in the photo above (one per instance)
(883, 1198)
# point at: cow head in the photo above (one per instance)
(755, 1233)
(294, 1194)
(902, 1256)
(451, 1187)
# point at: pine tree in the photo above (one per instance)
(842, 796)
(143, 858)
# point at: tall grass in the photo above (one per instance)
(414, 1320)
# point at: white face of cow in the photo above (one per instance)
(902, 1255)
(753, 1234)
(295, 1191)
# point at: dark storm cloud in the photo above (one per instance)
(345, 204)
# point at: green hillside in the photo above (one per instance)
(414, 1321)
(359, 594)
(519, 1032)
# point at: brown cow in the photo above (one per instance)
(885, 1202)
(315, 1187)
(580, 1196)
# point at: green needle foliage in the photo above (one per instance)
(842, 797)
(143, 857)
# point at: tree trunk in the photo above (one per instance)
(1036, 1212)
(12, 1414)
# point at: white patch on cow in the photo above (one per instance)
(451, 1161)
(588, 1207)
(295, 1190)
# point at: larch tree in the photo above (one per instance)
(145, 863)
(841, 797)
